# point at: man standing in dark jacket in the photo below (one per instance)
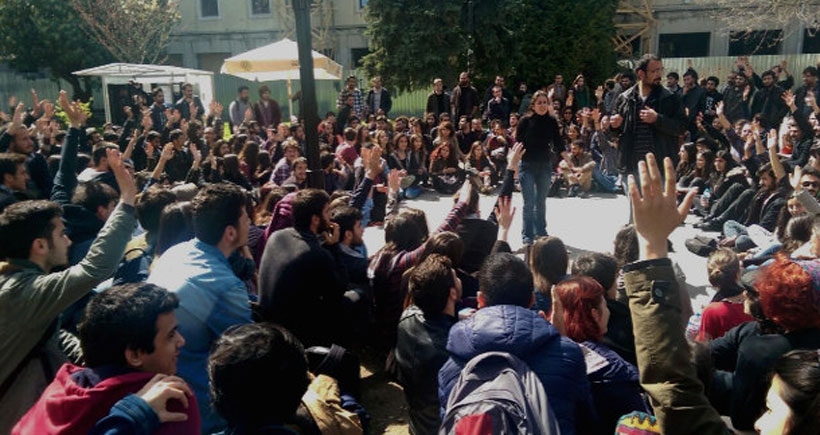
(504, 322)
(648, 118)
(768, 101)
(694, 100)
(438, 101)
(421, 347)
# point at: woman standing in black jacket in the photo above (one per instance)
(538, 131)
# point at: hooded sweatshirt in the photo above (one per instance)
(79, 397)
(557, 361)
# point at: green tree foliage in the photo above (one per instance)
(37, 34)
(527, 40)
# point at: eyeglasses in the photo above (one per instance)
(814, 184)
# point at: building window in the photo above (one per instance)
(356, 55)
(211, 61)
(684, 44)
(260, 7)
(742, 43)
(811, 41)
(209, 8)
(362, 4)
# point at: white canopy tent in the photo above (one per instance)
(151, 75)
(279, 61)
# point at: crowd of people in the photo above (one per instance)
(159, 276)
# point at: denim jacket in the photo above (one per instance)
(211, 299)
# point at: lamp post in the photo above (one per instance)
(309, 112)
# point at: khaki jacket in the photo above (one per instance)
(663, 354)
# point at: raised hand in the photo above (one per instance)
(48, 110)
(655, 210)
(216, 109)
(394, 180)
(517, 151)
(771, 139)
(195, 153)
(125, 181)
(147, 122)
(788, 98)
(76, 115)
(248, 115)
(504, 212)
(167, 152)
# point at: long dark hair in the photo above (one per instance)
(799, 371)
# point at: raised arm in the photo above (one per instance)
(66, 178)
(666, 373)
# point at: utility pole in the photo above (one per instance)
(470, 36)
(301, 12)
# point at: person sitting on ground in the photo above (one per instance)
(604, 269)
(548, 260)
(615, 387)
(477, 164)
(128, 334)
(283, 167)
(239, 367)
(663, 358)
(577, 167)
(700, 175)
(445, 170)
(298, 174)
(423, 328)
(404, 236)
(211, 297)
(300, 281)
(727, 307)
(504, 322)
(33, 293)
(13, 178)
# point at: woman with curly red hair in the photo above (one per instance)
(615, 387)
(789, 296)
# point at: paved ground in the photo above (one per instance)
(584, 224)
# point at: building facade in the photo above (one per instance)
(213, 30)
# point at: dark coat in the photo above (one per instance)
(671, 124)
(557, 361)
(751, 356)
(301, 289)
(421, 350)
(615, 387)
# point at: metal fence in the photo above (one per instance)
(407, 103)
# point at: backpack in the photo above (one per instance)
(498, 393)
(135, 269)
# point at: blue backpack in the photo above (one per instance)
(498, 393)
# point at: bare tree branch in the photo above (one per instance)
(756, 15)
(134, 31)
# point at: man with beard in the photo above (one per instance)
(713, 97)
(648, 118)
(240, 105)
(300, 286)
(464, 100)
(158, 108)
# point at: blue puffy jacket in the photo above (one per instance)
(556, 360)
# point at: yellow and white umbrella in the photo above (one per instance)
(279, 61)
